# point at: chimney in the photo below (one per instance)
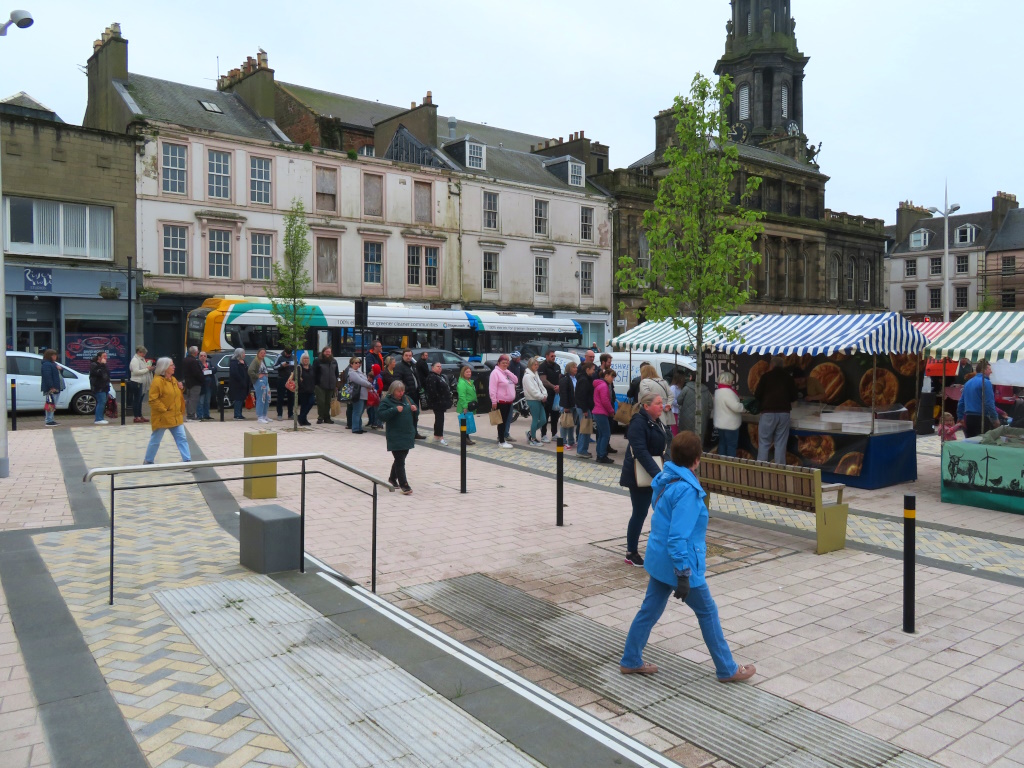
(428, 99)
(907, 217)
(105, 109)
(581, 134)
(1002, 204)
(253, 82)
(452, 125)
(560, 140)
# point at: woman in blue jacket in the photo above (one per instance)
(676, 557)
(52, 385)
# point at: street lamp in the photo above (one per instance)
(22, 20)
(946, 211)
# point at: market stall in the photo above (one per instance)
(986, 471)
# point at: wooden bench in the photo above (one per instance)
(792, 487)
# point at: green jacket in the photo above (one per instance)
(467, 394)
(398, 425)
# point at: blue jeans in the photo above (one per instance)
(203, 410)
(238, 405)
(603, 427)
(568, 434)
(701, 603)
(583, 443)
(356, 420)
(641, 499)
(728, 441)
(178, 433)
(101, 405)
(262, 397)
(540, 418)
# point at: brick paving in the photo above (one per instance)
(35, 496)
(22, 741)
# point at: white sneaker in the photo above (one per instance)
(442, 441)
(504, 445)
(545, 439)
(100, 423)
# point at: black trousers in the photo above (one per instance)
(550, 415)
(973, 425)
(284, 397)
(398, 468)
(135, 398)
(505, 409)
(439, 422)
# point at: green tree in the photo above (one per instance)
(287, 291)
(700, 237)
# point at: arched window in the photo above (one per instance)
(865, 281)
(744, 102)
(785, 100)
(851, 280)
(833, 278)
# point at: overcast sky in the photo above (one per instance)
(902, 95)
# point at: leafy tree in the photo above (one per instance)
(701, 254)
(287, 291)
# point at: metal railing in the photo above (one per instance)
(193, 466)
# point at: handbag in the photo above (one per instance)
(586, 426)
(372, 399)
(567, 421)
(110, 411)
(290, 385)
(495, 417)
(51, 403)
(643, 480)
(471, 406)
(335, 408)
(624, 413)
(250, 401)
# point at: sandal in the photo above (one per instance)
(645, 669)
(743, 672)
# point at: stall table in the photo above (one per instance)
(986, 476)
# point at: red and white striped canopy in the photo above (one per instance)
(931, 331)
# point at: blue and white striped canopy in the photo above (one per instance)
(663, 337)
(826, 334)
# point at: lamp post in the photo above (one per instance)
(946, 211)
(22, 20)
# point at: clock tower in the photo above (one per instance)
(767, 72)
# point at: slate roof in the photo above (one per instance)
(1011, 234)
(23, 104)
(178, 103)
(525, 168)
(747, 152)
(983, 221)
(364, 114)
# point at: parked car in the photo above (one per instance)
(26, 371)
(221, 364)
(450, 365)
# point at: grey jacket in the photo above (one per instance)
(688, 407)
(356, 377)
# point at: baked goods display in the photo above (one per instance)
(911, 413)
(757, 370)
(832, 380)
(850, 464)
(906, 365)
(816, 449)
(753, 431)
(886, 387)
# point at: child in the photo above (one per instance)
(948, 428)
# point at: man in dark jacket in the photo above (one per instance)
(406, 372)
(192, 378)
(515, 366)
(325, 374)
(373, 357)
(550, 373)
(775, 394)
(585, 402)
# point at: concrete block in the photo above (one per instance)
(268, 539)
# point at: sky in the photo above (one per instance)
(902, 100)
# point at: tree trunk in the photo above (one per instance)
(698, 415)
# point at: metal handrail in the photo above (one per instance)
(192, 466)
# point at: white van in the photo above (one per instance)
(627, 367)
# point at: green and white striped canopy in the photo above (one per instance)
(982, 335)
(661, 337)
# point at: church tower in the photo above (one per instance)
(767, 71)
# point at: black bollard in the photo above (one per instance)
(464, 438)
(909, 553)
(14, 407)
(220, 399)
(559, 466)
(124, 400)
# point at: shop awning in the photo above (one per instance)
(982, 335)
(932, 331)
(662, 337)
(826, 334)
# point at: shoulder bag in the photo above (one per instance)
(643, 480)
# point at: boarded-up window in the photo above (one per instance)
(327, 260)
(373, 195)
(422, 201)
(326, 189)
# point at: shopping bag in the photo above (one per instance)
(51, 404)
(586, 426)
(290, 385)
(567, 421)
(250, 401)
(335, 408)
(643, 480)
(111, 409)
(495, 417)
(470, 420)
(372, 399)
(624, 413)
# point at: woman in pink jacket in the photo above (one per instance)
(604, 409)
(502, 388)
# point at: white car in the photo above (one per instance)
(26, 371)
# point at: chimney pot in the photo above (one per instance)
(97, 44)
(115, 29)
(560, 140)
(261, 59)
(581, 134)
(412, 105)
(429, 99)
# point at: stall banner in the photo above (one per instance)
(840, 454)
(989, 476)
(716, 363)
(81, 348)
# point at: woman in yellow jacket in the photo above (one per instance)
(167, 407)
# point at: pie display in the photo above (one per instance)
(835, 357)
(847, 405)
(850, 464)
(911, 413)
(753, 431)
(832, 380)
(906, 365)
(742, 454)
(757, 370)
(798, 361)
(886, 387)
(817, 449)
(793, 460)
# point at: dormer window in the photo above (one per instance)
(965, 235)
(920, 238)
(576, 174)
(209, 106)
(475, 156)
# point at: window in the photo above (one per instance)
(219, 175)
(575, 174)
(373, 259)
(920, 238)
(833, 278)
(643, 259)
(965, 235)
(50, 228)
(587, 279)
(910, 299)
(962, 262)
(422, 199)
(175, 250)
(910, 268)
(414, 263)
(430, 264)
(935, 265)
(586, 223)
(851, 279)
(327, 260)
(260, 257)
(785, 100)
(475, 155)
(540, 275)
(174, 169)
(490, 210)
(1009, 265)
(750, 24)
(366, 150)
(744, 101)
(326, 190)
(259, 180)
(934, 298)
(540, 217)
(490, 271)
(209, 106)
(865, 282)
(219, 252)
(961, 297)
(373, 195)
(1009, 299)
(421, 266)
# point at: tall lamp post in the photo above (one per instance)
(21, 20)
(946, 211)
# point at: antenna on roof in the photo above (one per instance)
(218, 67)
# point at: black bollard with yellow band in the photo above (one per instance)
(559, 462)
(909, 554)
(464, 437)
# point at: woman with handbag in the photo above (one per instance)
(676, 560)
(568, 422)
(466, 404)
(359, 390)
(728, 414)
(373, 397)
(99, 382)
(652, 383)
(604, 410)
(501, 387)
(306, 389)
(238, 382)
(52, 385)
(536, 395)
(648, 441)
(584, 397)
